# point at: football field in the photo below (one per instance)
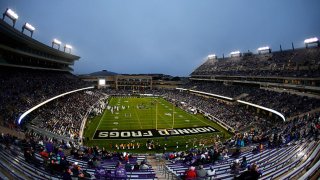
(143, 116)
(134, 113)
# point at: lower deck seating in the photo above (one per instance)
(273, 163)
(38, 171)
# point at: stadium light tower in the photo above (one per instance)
(56, 42)
(28, 27)
(235, 54)
(67, 46)
(11, 15)
(311, 41)
(265, 49)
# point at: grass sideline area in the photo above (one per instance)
(140, 113)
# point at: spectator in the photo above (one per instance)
(235, 167)
(66, 174)
(244, 163)
(136, 167)
(143, 165)
(252, 174)
(120, 172)
(44, 154)
(128, 166)
(76, 170)
(201, 173)
(190, 174)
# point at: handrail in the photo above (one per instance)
(314, 167)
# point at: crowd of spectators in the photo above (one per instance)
(52, 155)
(279, 135)
(64, 115)
(24, 88)
(219, 88)
(51, 151)
(290, 63)
(234, 115)
(275, 134)
(287, 104)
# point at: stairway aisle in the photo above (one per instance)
(156, 165)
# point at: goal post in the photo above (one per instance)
(172, 115)
(156, 115)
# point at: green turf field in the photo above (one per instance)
(140, 113)
(147, 113)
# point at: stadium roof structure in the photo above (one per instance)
(20, 50)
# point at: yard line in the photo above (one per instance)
(165, 120)
(102, 117)
(199, 119)
(135, 112)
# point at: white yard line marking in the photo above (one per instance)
(199, 119)
(135, 112)
(165, 119)
(102, 117)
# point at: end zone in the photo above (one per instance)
(150, 133)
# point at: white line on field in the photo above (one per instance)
(198, 119)
(99, 123)
(135, 112)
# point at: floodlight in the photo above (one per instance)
(28, 27)
(57, 42)
(235, 53)
(212, 56)
(265, 48)
(11, 15)
(67, 46)
(311, 40)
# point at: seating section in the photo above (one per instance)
(38, 171)
(290, 63)
(287, 104)
(64, 115)
(279, 149)
(23, 88)
(273, 163)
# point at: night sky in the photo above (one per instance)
(165, 36)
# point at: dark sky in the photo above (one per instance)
(165, 36)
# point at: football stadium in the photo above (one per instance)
(241, 115)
